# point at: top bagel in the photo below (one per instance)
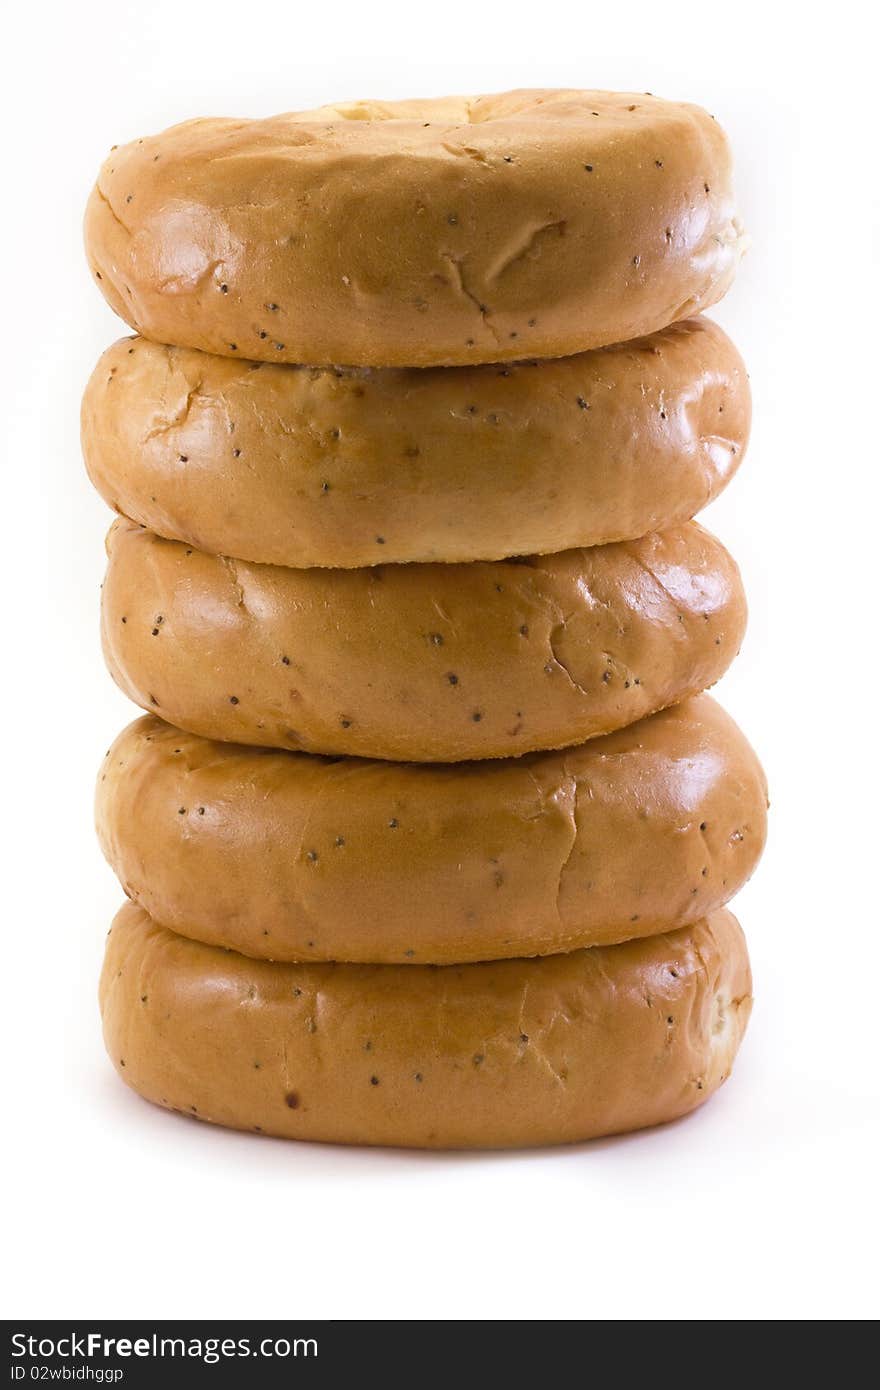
(451, 231)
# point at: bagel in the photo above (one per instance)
(288, 856)
(305, 466)
(425, 663)
(503, 1054)
(419, 233)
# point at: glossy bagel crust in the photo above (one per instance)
(531, 223)
(502, 1054)
(307, 466)
(288, 856)
(424, 663)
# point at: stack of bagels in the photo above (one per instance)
(428, 828)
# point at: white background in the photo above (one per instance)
(764, 1204)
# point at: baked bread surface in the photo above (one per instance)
(424, 233)
(421, 663)
(501, 1054)
(304, 466)
(289, 856)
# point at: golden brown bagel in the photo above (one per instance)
(299, 466)
(498, 1055)
(289, 856)
(424, 663)
(420, 233)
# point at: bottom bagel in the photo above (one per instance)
(503, 1054)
